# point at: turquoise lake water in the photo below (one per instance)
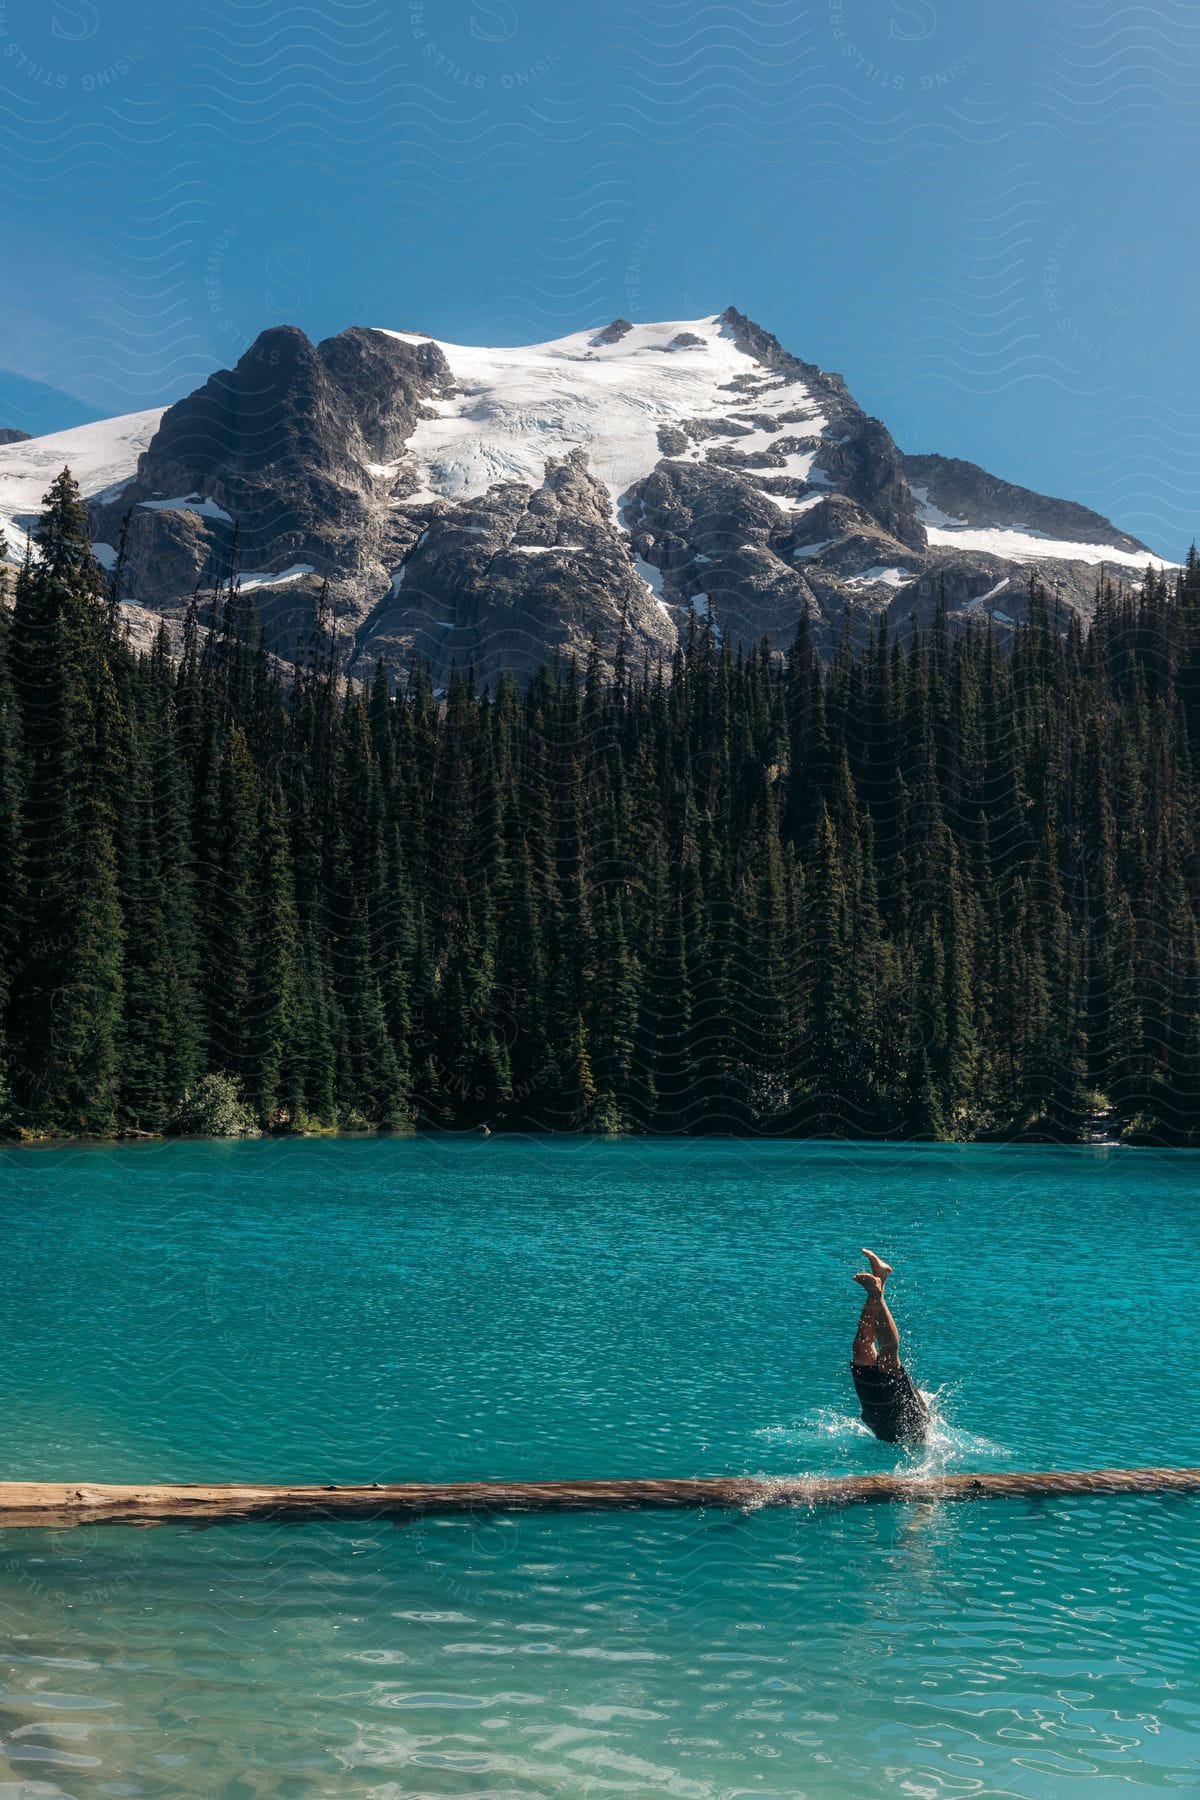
(378, 1310)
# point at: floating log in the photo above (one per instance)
(59, 1503)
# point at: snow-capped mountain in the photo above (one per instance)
(102, 457)
(501, 505)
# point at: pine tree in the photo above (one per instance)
(66, 1001)
(930, 888)
(826, 949)
(151, 1000)
(12, 876)
(273, 1063)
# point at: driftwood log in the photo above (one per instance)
(60, 1503)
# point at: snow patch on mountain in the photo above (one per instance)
(803, 550)
(929, 514)
(297, 572)
(1019, 544)
(786, 504)
(889, 576)
(195, 503)
(102, 456)
(514, 409)
(652, 578)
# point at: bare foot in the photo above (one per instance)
(868, 1279)
(878, 1266)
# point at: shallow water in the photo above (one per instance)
(374, 1310)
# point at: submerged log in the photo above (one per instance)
(58, 1503)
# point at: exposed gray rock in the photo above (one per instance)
(711, 532)
(830, 389)
(672, 441)
(868, 468)
(514, 577)
(142, 626)
(782, 498)
(968, 493)
(167, 552)
(282, 445)
(10, 435)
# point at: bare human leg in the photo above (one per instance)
(878, 1266)
(864, 1354)
(886, 1336)
(877, 1339)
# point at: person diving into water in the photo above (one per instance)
(891, 1404)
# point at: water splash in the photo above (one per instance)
(829, 1440)
(946, 1445)
(824, 1424)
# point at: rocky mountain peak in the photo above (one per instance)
(501, 504)
(286, 445)
(762, 346)
(956, 490)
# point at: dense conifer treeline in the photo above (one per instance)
(934, 889)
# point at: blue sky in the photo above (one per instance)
(981, 214)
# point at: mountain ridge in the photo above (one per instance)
(499, 505)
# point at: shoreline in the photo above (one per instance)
(427, 1134)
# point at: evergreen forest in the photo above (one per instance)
(943, 886)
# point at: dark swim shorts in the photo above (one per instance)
(891, 1405)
